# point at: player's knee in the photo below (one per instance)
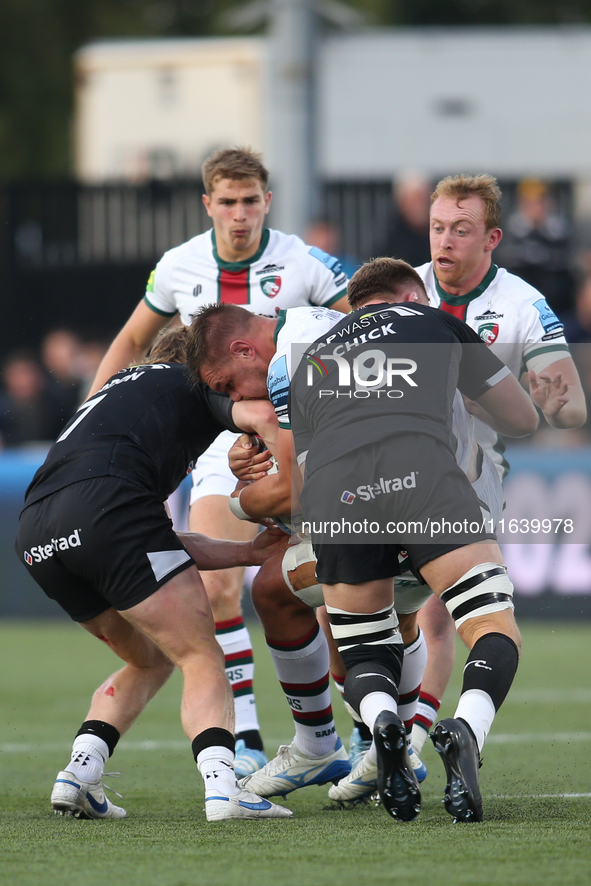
(371, 648)
(483, 595)
(299, 573)
(224, 592)
(408, 626)
(362, 636)
(435, 622)
(272, 599)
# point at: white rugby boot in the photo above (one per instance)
(244, 805)
(81, 799)
(292, 769)
(359, 784)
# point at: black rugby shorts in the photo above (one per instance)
(99, 543)
(404, 493)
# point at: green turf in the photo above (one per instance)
(538, 752)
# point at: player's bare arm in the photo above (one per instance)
(212, 553)
(511, 407)
(130, 345)
(558, 393)
(257, 417)
(501, 427)
(341, 305)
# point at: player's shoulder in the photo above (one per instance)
(425, 271)
(306, 323)
(284, 245)
(200, 246)
(310, 257)
(511, 288)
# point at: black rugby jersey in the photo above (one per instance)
(146, 425)
(383, 370)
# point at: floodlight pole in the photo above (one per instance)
(291, 116)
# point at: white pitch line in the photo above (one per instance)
(538, 737)
(538, 796)
(183, 744)
(550, 696)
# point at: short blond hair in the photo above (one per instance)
(484, 186)
(235, 164)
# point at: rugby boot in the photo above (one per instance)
(398, 787)
(454, 741)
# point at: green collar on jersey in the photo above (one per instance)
(236, 266)
(474, 293)
(281, 318)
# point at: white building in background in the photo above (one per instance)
(514, 102)
(156, 108)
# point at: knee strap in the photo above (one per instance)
(483, 589)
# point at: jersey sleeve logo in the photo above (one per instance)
(150, 284)
(278, 385)
(271, 286)
(332, 263)
(548, 318)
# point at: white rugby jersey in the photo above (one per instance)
(297, 326)
(514, 320)
(284, 272)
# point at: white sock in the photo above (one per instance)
(477, 709)
(216, 765)
(413, 668)
(303, 674)
(234, 638)
(89, 755)
(370, 708)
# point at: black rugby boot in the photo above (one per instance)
(454, 741)
(397, 784)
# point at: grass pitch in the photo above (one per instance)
(536, 785)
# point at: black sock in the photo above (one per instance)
(108, 733)
(364, 731)
(252, 739)
(210, 737)
(491, 667)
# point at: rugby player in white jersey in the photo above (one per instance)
(246, 356)
(516, 322)
(240, 262)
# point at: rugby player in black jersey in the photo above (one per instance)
(382, 453)
(95, 535)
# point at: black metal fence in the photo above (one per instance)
(79, 255)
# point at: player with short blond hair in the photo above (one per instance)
(239, 261)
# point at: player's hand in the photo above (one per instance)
(268, 543)
(246, 461)
(548, 393)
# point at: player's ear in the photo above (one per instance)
(495, 235)
(207, 203)
(268, 198)
(240, 348)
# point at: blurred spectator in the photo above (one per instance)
(29, 411)
(60, 354)
(88, 361)
(537, 244)
(326, 236)
(407, 229)
(577, 323)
